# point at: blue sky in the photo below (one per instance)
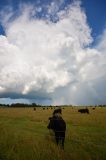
(53, 52)
(96, 15)
(95, 11)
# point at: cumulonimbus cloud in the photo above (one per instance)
(45, 60)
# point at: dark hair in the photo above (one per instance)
(57, 111)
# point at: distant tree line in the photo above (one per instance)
(37, 105)
(20, 105)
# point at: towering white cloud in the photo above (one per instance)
(43, 60)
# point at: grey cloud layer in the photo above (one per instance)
(51, 61)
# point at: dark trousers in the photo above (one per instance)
(60, 137)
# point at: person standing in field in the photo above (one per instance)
(58, 125)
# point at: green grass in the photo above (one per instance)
(24, 135)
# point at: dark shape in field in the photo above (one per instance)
(83, 110)
(94, 108)
(58, 125)
(34, 109)
(57, 111)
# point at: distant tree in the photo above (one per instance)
(34, 104)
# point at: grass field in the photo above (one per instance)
(24, 135)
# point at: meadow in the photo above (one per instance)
(24, 135)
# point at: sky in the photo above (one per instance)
(53, 52)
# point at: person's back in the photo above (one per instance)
(58, 125)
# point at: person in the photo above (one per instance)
(58, 125)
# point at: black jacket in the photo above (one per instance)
(57, 124)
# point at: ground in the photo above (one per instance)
(24, 135)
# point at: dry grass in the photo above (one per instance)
(24, 135)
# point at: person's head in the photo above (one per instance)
(57, 112)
